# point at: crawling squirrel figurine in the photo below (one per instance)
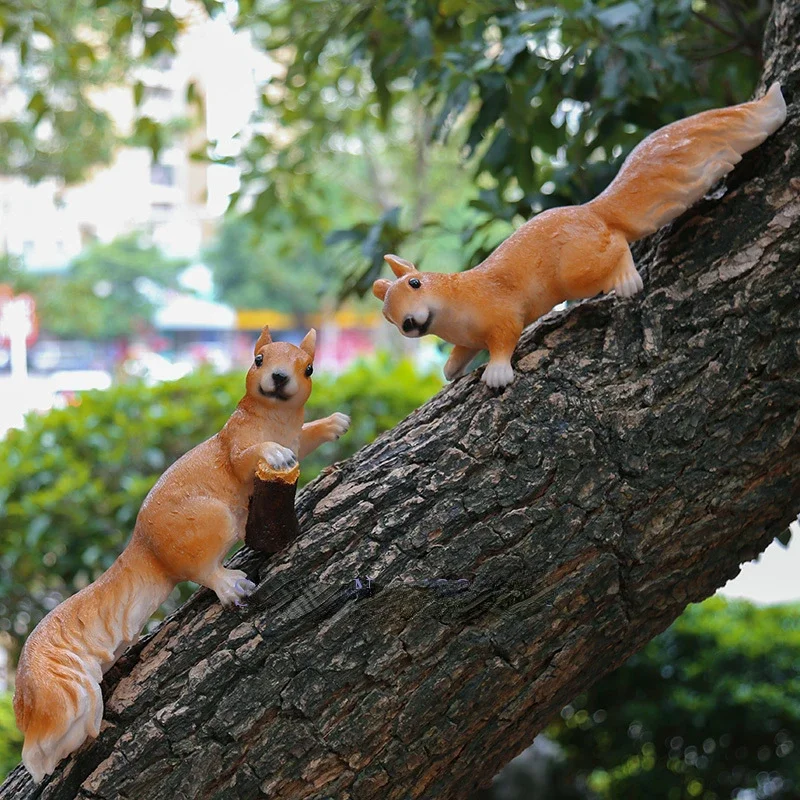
(186, 526)
(578, 251)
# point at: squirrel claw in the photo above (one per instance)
(231, 586)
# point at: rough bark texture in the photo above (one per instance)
(520, 545)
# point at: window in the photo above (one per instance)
(158, 93)
(162, 174)
(163, 62)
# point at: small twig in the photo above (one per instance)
(714, 24)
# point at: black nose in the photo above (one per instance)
(280, 378)
(409, 324)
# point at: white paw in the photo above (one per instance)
(278, 456)
(231, 585)
(630, 284)
(497, 374)
(338, 424)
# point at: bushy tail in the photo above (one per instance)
(675, 166)
(58, 703)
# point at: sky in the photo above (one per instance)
(774, 577)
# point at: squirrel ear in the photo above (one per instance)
(309, 343)
(399, 265)
(264, 338)
(380, 287)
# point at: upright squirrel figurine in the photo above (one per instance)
(578, 251)
(187, 524)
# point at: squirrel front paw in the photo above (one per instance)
(337, 425)
(454, 371)
(278, 456)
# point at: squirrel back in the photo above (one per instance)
(676, 165)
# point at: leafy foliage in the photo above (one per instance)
(709, 709)
(72, 482)
(276, 266)
(541, 101)
(57, 54)
(10, 737)
(544, 101)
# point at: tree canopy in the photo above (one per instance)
(55, 56)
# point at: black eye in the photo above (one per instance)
(259, 360)
(309, 371)
(414, 283)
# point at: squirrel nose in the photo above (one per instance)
(280, 378)
(409, 324)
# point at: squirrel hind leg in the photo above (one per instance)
(230, 585)
(625, 280)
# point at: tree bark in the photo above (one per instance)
(520, 546)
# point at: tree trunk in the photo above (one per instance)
(520, 546)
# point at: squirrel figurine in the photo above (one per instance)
(187, 524)
(578, 251)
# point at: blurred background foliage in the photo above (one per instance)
(110, 291)
(73, 480)
(709, 709)
(541, 102)
(10, 737)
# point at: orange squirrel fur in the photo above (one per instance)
(187, 524)
(574, 252)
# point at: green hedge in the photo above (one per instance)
(709, 709)
(72, 482)
(10, 737)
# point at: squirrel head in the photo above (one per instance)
(280, 375)
(407, 302)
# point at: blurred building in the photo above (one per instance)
(174, 198)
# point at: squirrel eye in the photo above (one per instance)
(414, 283)
(309, 370)
(259, 360)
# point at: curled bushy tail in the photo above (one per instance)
(675, 166)
(58, 703)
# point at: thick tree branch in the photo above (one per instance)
(521, 545)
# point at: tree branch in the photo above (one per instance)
(521, 545)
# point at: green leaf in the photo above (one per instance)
(123, 27)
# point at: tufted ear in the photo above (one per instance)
(309, 343)
(399, 265)
(264, 338)
(380, 287)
